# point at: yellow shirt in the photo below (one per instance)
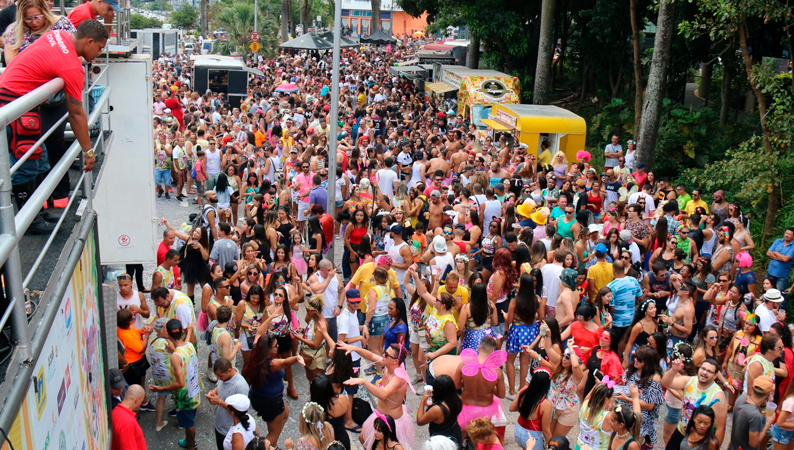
(601, 273)
(461, 294)
(692, 205)
(545, 157)
(362, 99)
(364, 279)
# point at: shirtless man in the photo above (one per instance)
(444, 365)
(681, 321)
(458, 157)
(568, 299)
(435, 210)
(438, 163)
(481, 398)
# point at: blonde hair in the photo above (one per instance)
(480, 429)
(315, 302)
(312, 424)
(48, 20)
(558, 154)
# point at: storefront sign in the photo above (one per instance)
(506, 118)
(493, 88)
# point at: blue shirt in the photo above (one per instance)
(390, 335)
(781, 269)
(319, 196)
(624, 297)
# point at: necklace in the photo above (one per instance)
(623, 436)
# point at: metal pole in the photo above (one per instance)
(255, 13)
(334, 128)
(13, 265)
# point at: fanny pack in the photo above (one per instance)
(23, 132)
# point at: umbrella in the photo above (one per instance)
(378, 38)
(343, 41)
(289, 87)
(308, 41)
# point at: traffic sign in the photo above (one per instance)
(254, 46)
(255, 37)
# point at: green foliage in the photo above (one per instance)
(237, 19)
(186, 17)
(139, 22)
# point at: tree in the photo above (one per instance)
(305, 14)
(237, 19)
(635, 44)
(375, 23)
(205, 31)
(185, 17)
(139, 22)
(545, 51)
(654, 93)
(286, 11)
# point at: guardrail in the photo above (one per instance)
(14, 225)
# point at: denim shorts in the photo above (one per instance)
(162, 177)
(672, 415)
(186, 418)
(378, 324)
(522, 434)
(781, 436)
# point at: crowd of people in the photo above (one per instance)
(473, 271)
(491, 279)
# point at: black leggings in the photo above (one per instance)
(136, 270)
(56, 146)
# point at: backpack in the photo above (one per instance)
(199, 220)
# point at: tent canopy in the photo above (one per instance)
(308, 41)
(343, 41)
(378, 38)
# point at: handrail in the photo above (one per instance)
(38, 143)
(31, 208)
(32, 99)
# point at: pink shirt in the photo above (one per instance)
(305, 182)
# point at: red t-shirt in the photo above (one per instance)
(640, 178)
(161, 251)
(81, 13)
(176, 110)
(327, 223)
(51, 56)
(127, 434)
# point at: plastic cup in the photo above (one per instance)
(429, 389)
(770, 408)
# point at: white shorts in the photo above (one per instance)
(303, 208)
(419, 338)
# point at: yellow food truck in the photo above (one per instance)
(476, 90)
(533, 124)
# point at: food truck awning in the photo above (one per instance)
(440, 87)
(498, 126)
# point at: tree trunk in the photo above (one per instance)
(285, 13)
(705, 80)
(725, 88)
(474, 52)
(204, 22)
(774, 193)
(615, 83)
(305, 19)
(636, 44)
(654, 93)
(374, 24)
(541, 94)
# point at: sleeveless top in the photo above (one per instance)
(331, 295)
(216, 351)
(533, 424)
(250, 318)
(708, 246)
(189, 397)
(488, 248)
(471, 325)
(449, 428)
(279, 326)
(168, 277)
(161, 362)
(691, 395)
(383, 295)
(179, 300)
(591, 435)
(564, 228)
(624, 446)
(562, 395)
(727, 266)
(769, 369)
(123, 303)
(434, 329)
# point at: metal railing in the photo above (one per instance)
(13, 225)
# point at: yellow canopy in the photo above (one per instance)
(440, 87)
(495, 125)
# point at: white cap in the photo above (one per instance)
(239, 402)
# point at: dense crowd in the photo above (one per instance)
(491, 279)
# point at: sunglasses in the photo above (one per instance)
(279, 295)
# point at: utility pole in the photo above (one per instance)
(334, 128)
(256, 12)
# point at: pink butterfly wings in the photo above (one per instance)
(471, 363)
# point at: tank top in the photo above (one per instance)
(189, 397)
(178, 300)
(356, 234)
(487, 245)
(416, 174)
(168, 276)
(394, 254)
(331, 296)
(659, 286)
(708, 246)
(383, 296)
(769, 369)
(216, 351)
(161, 362)
(532, 425)
(123, 303)
(564, 228)
(213, 162)
(691, 395)
(591, 435)
(250, 318)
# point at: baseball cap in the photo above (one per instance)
(239, 402)
(601, 249)
(625, 235)
(440, 244)
(435, 194)
(763, 385)
(293, 150)
(353, 296)
(396, 228)
(117, 380)
(113, 4)
(593, 228)
(640, 165)
(499, 187)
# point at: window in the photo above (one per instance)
(365, 26)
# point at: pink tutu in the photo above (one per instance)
(494, 411)
(300, 265)
(203, 322)
(405, 430)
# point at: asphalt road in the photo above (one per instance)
(167, 438)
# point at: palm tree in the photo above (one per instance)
(286, 13)
(237, 19)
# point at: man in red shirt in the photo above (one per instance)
(56, 54)
(127, 434)
(92, 9)
(168, 241)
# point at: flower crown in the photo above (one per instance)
(303, 411)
